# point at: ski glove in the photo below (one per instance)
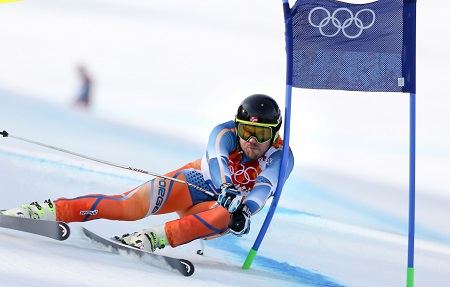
(240, 221)
(230, 197)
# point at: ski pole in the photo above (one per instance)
(6, 134)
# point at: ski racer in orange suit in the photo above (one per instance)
(240, 166)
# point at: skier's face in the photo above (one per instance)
(252, 149)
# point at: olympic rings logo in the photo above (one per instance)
(241, 175)
(331, 18)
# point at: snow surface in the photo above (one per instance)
(343, 216)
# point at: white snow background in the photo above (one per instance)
(165, 72)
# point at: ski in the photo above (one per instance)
(185, 267)
(53, 229)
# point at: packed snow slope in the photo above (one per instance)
(164, 73)
(329, 230)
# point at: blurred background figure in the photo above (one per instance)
(84, 95)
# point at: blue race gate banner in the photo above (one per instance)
(357, 47)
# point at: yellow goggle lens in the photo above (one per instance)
(261, 134)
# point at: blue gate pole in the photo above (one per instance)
(409, 20)
(412, 193)
(287, 123)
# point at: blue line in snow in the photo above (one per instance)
(64, 165)
(303, 276)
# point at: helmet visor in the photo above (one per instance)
(260, 133)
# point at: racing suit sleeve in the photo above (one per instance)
(222, 141)
(267, 181)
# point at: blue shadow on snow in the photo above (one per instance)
(302, 276)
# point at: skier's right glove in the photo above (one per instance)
(240, 221)
(230, 197)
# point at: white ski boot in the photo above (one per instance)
(34, 210)
(148, 239)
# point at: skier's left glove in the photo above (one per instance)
(240, 221)
(230, 197)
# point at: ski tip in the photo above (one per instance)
(4, 133)
(183, 266)
(186, 267)
(65, 230)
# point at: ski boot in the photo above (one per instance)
(34, 210)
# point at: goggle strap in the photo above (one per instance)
(256, 123)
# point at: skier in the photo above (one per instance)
(240, 166)
(84, 97)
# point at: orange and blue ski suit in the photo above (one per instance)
(200, 215)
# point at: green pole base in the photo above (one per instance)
(410, 278)
(249, 260)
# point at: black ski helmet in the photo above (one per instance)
(260, 109)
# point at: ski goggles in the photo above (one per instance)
(261, 132)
